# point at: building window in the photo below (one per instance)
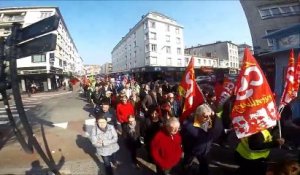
(167, 38)
(38, 58)
(134, 54)
(178, 40)
(275, 11)
(168, 49)
(186, 60)
(167, 27)
(265, 13)
(146, 36)
(177, 30)
(179, 62)
(205, 62)
(169, 61)
(153, 47)
(278, 11)
(60, 63)
(178, 51)
(199, 61)
(153, 35)
(152, 24)
(270, 41)
(147, 48)
(209, 62)
(134, 43)
(145, 25)
(153, 60)
(286, 10)
(296, 8)
(45, 14)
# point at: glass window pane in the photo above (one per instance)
(275, 11)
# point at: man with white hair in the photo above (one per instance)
(166, 148)
(198, 133)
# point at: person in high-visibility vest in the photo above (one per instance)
(253, 151)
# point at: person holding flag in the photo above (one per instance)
(198, 133)
(253, 113)
(200, 129)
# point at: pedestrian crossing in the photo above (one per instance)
(28, 103)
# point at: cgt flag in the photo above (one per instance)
(254, 107)
(289, 92)
(190, 90)
(297, 75)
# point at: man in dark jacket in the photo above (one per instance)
(198, 133)
(110, 114)
(132, 135)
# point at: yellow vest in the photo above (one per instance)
(244, 150)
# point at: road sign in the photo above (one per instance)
(41, 27)
(37, 46)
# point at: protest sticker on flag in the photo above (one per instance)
(254, 108)
(228, 87)
(190, 90)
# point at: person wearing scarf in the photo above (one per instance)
(132, 135)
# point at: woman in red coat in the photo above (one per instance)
(166, 147)
(124, 109)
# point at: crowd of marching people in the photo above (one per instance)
(148, 115)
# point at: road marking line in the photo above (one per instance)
(4, 122)
(25, 106)
(12, 110)
(5, 116)
(63, 125)
(47, 95)
(90, 121)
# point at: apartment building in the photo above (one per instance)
(265, 17)
(92, 69)
(225, 51)
(106, 69)
(155, 42)
(50, 69)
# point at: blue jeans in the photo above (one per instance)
(107, 160)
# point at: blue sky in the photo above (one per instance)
(97, 26)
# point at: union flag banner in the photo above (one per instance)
(190, 90)
(254, 108)
(227, 90)
(289, 92)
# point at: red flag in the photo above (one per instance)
(289, 88)
(74, 81)
(227, 90)
(190, 90)
(297, 76)
(254, 108)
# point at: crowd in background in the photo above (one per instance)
(147, 115)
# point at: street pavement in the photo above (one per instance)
(59, 123)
